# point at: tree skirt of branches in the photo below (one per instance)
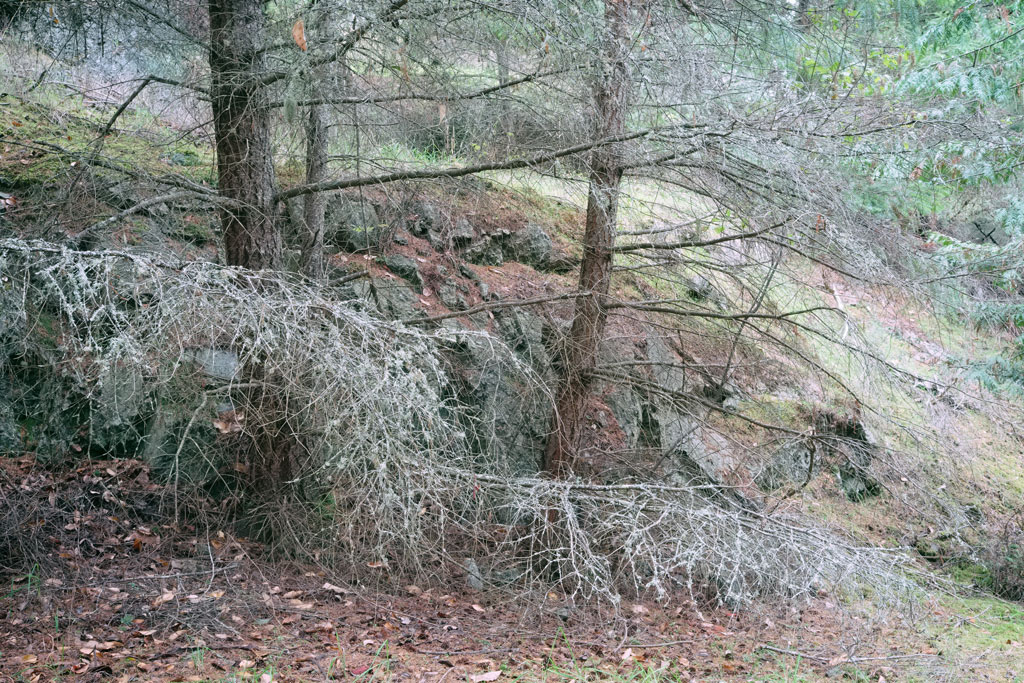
(385, 470)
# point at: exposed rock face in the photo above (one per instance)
(485, 252)
(789, 464)
(849, 441)
(533, 246)
(405, 268)
(502, 382)
(351, 224)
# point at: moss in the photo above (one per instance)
(981, 624)
(48, 137)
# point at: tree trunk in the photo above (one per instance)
(241, 120)
(803, 16)
(611, 94)
(315, 202)
(316, 158)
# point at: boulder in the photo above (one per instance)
(485, 252)
(532, 246)
(789, 464)
(422, 217)
(405, 268)
(463, 233)
(451, 297)
(352, 224)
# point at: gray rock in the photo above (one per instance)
(485, 252)
(789, 464)
(405, 268)
(463, 233)
(532, 246)
(220, 364)
(451, 298)
(351, 224)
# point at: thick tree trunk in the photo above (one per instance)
(241, 119)
(611, 96)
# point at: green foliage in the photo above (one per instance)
(970, 57)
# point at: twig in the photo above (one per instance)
(155, 577)
(666, 643)
(792, 653)
(452, 653)
(494, 305)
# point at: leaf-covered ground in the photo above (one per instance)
(100, 584)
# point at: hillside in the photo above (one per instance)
(476, 360)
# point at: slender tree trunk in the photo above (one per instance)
(315, 202)
(611, 95)
(316, 160)
(241, 119)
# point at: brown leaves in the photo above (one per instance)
(230, 422)
(164, 598)
(299, 34)
(93, 646)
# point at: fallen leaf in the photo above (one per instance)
(246, 664)
(92, 647)
(489, 676)
(334, 589)
(166, 597)
(478, 608)
(299, 34)
(627, 656)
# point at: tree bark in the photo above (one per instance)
(611, 95)
(315, 202)
(316, 157)
(803, 16)
(241, 119)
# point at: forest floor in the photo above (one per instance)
(101, 595)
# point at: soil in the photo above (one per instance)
(100, 583)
